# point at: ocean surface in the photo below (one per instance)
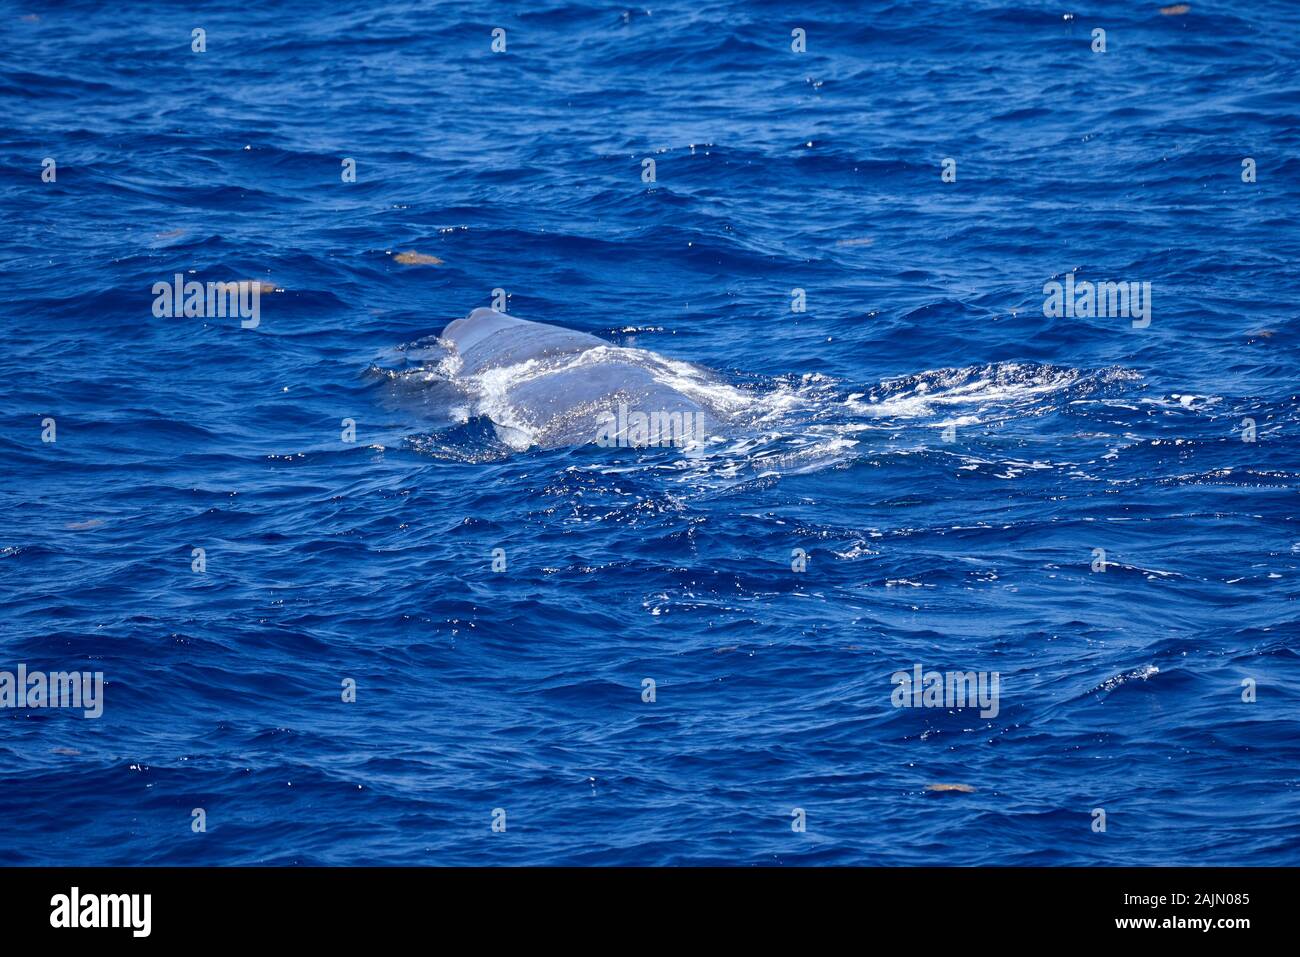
(927, 468)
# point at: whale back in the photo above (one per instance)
(549, 386)
(487, 339)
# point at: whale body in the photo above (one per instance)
(547, 386)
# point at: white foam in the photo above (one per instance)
(793, 424)
(1003, 384)
(491, 390)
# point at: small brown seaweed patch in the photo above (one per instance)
(1176, 10)
(947, 788)
(264, 288)
(412, 258)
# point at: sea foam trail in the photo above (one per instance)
(768, 426)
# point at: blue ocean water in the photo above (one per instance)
(947, 458)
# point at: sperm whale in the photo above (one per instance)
(547, 386)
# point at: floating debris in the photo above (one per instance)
(1175, 10)
(89, 523)
(412, 258)
(864, 241)
(950, 788)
